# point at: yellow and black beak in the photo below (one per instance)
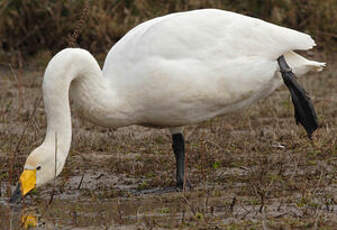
(26, 184)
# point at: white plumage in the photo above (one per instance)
(170, 71)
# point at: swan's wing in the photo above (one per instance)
(210, 35)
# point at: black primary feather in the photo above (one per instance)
(305, 113)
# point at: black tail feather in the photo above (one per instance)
(305, 113)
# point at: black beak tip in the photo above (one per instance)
(16, 196)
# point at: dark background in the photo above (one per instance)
(30, 27)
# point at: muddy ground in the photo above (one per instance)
(254, 169)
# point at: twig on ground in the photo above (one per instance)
(80, 184)
(189, 204)
(231, 207)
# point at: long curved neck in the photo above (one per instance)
(69, 67)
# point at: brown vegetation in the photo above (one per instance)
(29, 27)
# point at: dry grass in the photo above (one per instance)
(250, 169)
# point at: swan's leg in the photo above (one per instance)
(178, 145)
(179, 152)
(305, 113)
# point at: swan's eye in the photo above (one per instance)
(38, 168)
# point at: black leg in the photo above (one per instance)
(178, 146)
(304, 110)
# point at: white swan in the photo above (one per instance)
(168, 72)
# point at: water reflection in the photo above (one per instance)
(114, 213)
(29, 220)
(16, 216)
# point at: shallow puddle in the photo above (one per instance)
(117, 213)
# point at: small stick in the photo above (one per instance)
(37, 103)
(185, 174)
(55, 170)
(19, 84)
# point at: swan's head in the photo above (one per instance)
(39, 169)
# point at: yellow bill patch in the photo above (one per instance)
(27, 180)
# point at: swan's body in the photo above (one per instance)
(167, 72)
(188, 67)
